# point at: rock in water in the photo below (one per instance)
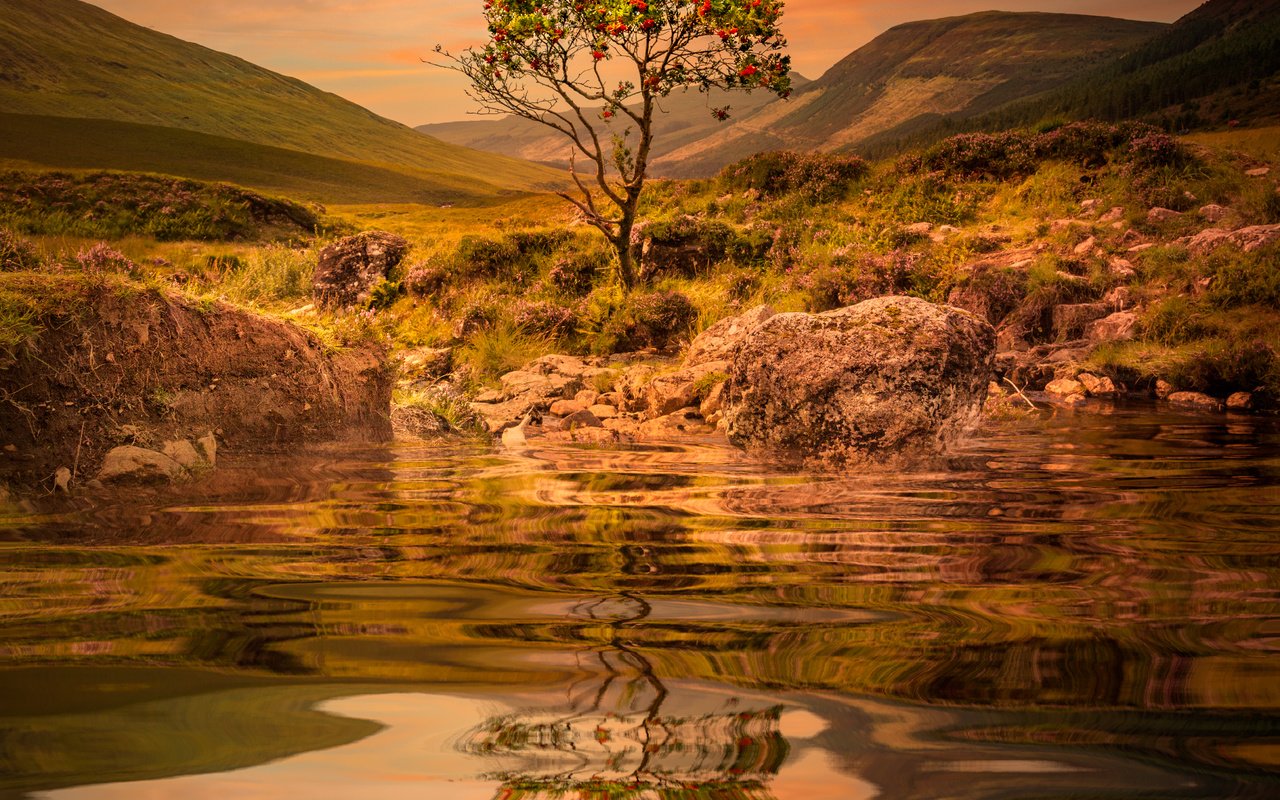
(887, 381)
(350, 267)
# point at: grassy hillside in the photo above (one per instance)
(1219, 63)
(66, 58)
(65, 143)
(909, 77)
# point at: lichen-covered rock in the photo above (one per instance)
(887, 380)
(350, 267)
(1197, 400)
(717, 342)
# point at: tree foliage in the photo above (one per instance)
(596, 72)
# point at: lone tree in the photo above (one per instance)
(586, 68)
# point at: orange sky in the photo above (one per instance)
(368, 50)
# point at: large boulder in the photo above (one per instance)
(350, 267)
(717, 342)
(888, 380)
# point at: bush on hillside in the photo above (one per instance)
(16, 253)
(820, 177)
(110, 205)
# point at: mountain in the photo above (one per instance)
(683, 118)
(915, 74)
(69, 59)
(1219, 62)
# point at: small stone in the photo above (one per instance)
(208, 447)
(1065, 387)
(11, 448)
(1122, 268)
(184, 453)
(1258, 172)
(1240, 401)
(588, 397)
(1164, 389)
(1097, 387)
(1086, 247)
(1090, 205)
(1118, 327)
(713, 402)
(129, 464)
(1138, 248)
(1114, 215)
(491, 396)
(581, 419)
(1162, 215)
(1195, 400)
(1213, 213)
(563, 408)
(62, 480)
(603, 411)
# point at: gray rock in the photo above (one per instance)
(887, 380)
(208, 447)
(1070, 320)
(1240, 401)
(350, 267)
(1195, 400)
(184, 453)
(1162, 215)
(717, 342)
(129, 464)
(1213, 213)
(1118, 327)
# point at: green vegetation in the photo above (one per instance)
(28, 142)
(109, 205)
(994, 223)
(66, 58)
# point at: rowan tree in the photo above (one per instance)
(596, 73)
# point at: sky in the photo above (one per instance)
(369, 51)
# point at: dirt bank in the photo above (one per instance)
(88, 363)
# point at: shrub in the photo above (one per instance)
(102, 258)
(576, 273)
(426, 278)
(544, 317)
(820, 177)
(499, 349)
(658, 318)
(980, 155)
(384, 294)
(16, 253)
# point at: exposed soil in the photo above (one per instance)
(113, 362)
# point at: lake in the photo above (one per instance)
(1074, 605)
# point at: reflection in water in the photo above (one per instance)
(1082, 605)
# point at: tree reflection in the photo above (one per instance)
(614, 739)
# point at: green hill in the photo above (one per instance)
(1219, 62)
(65, 58)
(914, 74)
(28, 142)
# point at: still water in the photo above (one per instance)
(1075, 606)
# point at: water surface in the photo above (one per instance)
(1081, 605)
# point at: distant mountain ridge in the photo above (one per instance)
(1219, 62)
(906, 79)
(917, 73)
(682, 118)
(66, 58)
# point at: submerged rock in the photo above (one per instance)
(886, 380)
